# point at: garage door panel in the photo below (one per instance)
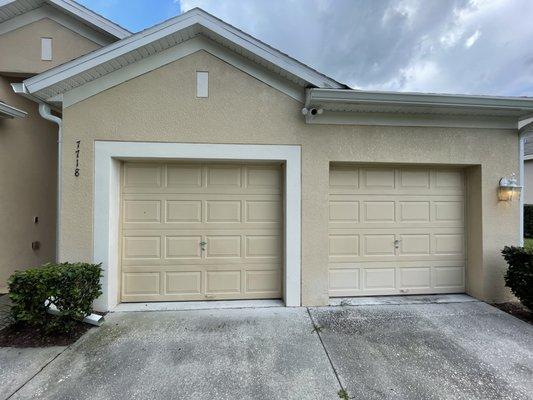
(415, 278)
(449, 243)
(184, 176)
(407, 235)
(183, 247)
(449, 277)
(378, 245)
(414, 244)
(169, 210)
(263, 177)
(382, 178)
(267, 282)
(379, 278)
(223, 282)
(183, 283)
(344, 281)
(344, 178)
(223, 211)
(413, 178)
(414, 211)
(141, 175)
(183, 211)
(142, 211)
(142, 247)
(263, 211)
(379, 211)
(141, 283)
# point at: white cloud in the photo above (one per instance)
(455, 46)
(473, 39)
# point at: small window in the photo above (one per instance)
(202, 84)
(46, 49)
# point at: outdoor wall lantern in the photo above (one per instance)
(508, 189)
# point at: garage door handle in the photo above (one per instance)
(202, 245)
(397, 243)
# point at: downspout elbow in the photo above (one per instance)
(46, 112)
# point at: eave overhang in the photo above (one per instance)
(7, 111)
(416, 109)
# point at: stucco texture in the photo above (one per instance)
(162, 106)
(24, 47)
(28, 154)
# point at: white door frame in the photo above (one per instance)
(107, 158)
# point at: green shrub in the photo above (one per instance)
(519, 276)
(72, 288)
(528, 220)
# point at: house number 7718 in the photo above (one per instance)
(77, 169)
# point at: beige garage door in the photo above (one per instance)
(201, 231)
(396, 231)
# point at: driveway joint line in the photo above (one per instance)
(38, 372)
(317, 330)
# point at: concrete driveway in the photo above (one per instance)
(466, 350)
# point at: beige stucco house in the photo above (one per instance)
(35, 35)
(199, 163)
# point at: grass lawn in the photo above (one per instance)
(528, 244)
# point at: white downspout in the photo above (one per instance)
(524, 133)
(45, 112)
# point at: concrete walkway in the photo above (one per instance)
(403, 350)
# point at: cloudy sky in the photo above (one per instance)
(444, 46)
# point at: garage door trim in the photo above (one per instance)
(107, 160)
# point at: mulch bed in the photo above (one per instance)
(24, 336)
(516, 309)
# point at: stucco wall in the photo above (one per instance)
(28, 154)
(21, 48)
(162, 106)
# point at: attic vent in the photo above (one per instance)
(202, 84)
(46, 49)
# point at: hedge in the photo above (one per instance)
(71, 288)
(519, 276)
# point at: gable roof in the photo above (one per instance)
(12, 8)
(163, 36)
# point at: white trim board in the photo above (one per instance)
(106, 207)
(7, 111)
(175, 53)
(57, 16)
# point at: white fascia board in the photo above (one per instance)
(196, 16)
(7, 111)
(20, 89)
(315, 96)
(55, 15)
(411, 120)
(174, 53)
(91, 17)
